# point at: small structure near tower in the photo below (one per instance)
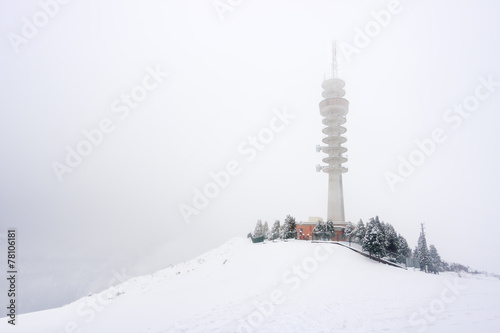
(305, 229)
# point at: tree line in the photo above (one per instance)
(430, 261)
(378, 238)
(286, 231)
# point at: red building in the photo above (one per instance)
(305, 229)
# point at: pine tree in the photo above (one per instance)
(374, 240)
(292, 227)
(404, 250)
(360, 231)
(265, 230)
(349, 231)
(458, 267)
(329, 230)
(258, 229)
(283, 230)
(415, 252)
(289, 228)
(423, 251)
(319, 230)
(275, 231)
(445, 266)
(391, 239)
(435, 260)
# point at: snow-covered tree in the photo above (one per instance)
(404, 250)
(349, 231)
(321, 231)
(445, 266)
(329, 230)
(455, 267)
(391, 239)
(292, 226)
(289, 228)
(435, 260)
(275, 231)
(259, 231)
(423, 251)
(415, 252)
(374, 240)
(265, 230)
(360, 231)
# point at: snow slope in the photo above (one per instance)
(292, 286)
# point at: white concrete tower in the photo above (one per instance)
(334, 108)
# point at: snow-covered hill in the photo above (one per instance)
(292, 286)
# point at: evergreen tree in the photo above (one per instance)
(391, 240)
(360, 231)
(349, 231)
(415, 252)
(319, 230)
(404, 250)
(458, 268)
(292, 227)
(329, 230)
(259, 231)
(289, 228)
(445, 266)
(435, 260)
(275, 231)
(265, 230)
(374, 240)
(423, 251)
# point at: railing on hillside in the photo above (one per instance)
(355, 246)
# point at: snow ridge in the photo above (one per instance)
(293, 286)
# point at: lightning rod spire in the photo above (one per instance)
(335, 70)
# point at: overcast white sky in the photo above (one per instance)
(118, 211)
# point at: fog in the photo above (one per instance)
(162, 96)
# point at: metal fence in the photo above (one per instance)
(412, 262)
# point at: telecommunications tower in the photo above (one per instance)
(334, 108)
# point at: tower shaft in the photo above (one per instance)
(335, 211)
(334, 108)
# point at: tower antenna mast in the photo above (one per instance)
(335, 70)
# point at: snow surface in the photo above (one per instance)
(294, 286)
